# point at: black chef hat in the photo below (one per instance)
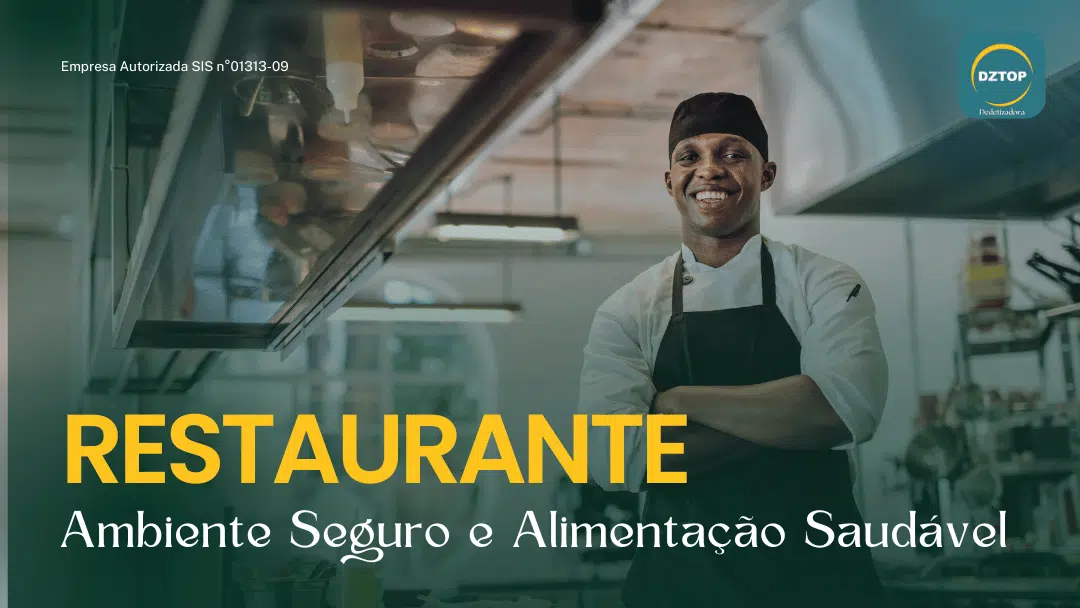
(718, 113)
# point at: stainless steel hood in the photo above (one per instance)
(251, 192)
(862, 106)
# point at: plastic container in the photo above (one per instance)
(986, 276)
(344, 51)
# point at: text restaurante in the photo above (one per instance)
(305, 433)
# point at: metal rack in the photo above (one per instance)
(1035, 344)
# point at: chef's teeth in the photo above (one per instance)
(711, 196)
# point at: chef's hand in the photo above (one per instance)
(704, 448)
(667, 402)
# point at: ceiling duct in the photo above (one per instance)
(861, 99)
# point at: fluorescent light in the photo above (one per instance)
(501, 227)
(501, 233)
(428, 313)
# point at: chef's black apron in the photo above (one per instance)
(734, 347)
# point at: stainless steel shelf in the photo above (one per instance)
(1038, 468)
(1024, 343)
(1026, 588)
(359, 378)
(1007, 347)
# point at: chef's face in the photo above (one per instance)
(716, 180)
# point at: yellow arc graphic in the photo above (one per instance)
(991, 49)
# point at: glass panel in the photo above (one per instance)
(432, 355)
(362, 399)
(320, 108)
(363, 353)
(448, 400)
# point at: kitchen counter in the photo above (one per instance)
(574, 593)
(1020, 588)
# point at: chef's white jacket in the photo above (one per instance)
(841, 345)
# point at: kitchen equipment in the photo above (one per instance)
(491, 30)
(1039, 435)
(979, 488)
(281, 200)
(300, 584)
(284, 594)
(930, 411)
(281, 98)
(1066, 277)
(1073, 250)
(391, 57)
(326, 161)
(421, 26)
(390, 121)
(360, 586)
(431, 99)
(254, 168)
(1068, 498)
(936, 452)
(275, 72)
(388, 53)
(987, 274)
(333, 127)
(456, 61)
(303, 238)
(966, 402)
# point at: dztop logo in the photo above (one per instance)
(1002, 76)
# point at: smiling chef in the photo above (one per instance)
(773, 354)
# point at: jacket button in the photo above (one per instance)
(687, 279)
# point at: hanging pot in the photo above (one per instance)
(967, 402)
(936, 452)
(979, 488)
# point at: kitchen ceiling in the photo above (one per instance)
(615, 120)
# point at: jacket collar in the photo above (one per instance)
(750, 253)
